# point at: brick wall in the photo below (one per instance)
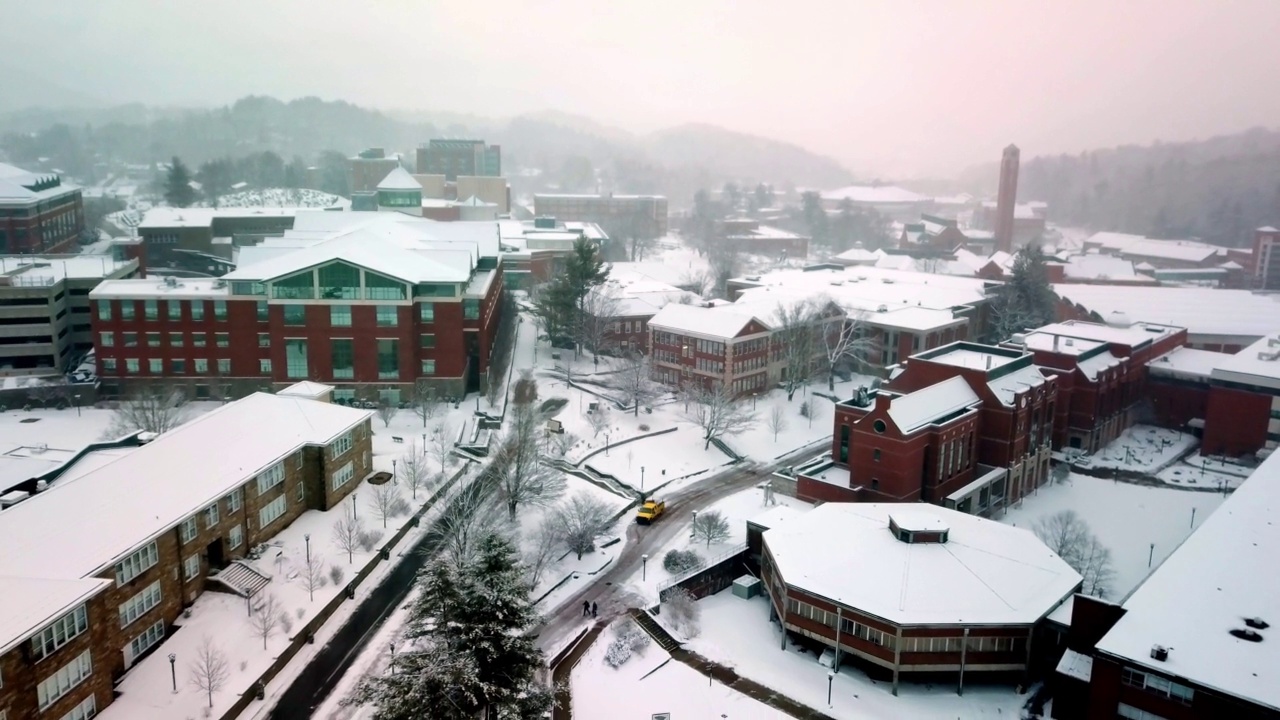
(21, 674)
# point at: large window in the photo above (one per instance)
(61, 682)
(340, 315)
(377, 287)
(234, 500)
(263, 311)
(85, 710)
(235, 537)
(174, 308)
(343, 352)
(437, 290)
(342, 444)
(1157, 685)
(59, 633)
(138, 605)
(140, 644)
(211, 516)
(107, 339)
(427, 312)
(219, 310)
(248, 287)
(1129, 712)
(224, 366)
(127, 309)
(470, 309)
(298, 287)
(271, 512)
(104, 309)
(188, 530)
(295, 358)
(387, 315)
(197, 310)
(343, 475)
(191, 565)
(428, 367)
(295, 314)
(150, 309)
(339, 281)
(272, 477)
(388, 359)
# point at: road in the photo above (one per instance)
(609, 590)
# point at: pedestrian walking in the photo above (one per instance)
(594, 607)
(586, 608)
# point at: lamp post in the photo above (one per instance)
(606, 443)
(644, 566)
(641, 478)
(1151, 554)
(354, 512)
(393, 657)
(754, 396)
(394, 477)
(76, 398)
(830, 677)
(173, 671)
(693, 524)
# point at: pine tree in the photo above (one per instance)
(178, 191)
(1026, 300)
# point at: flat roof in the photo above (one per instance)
(1258, 364)
(972, 358)
(167, 217)
(1134, 335)
(986, 573)
(158, 287)
(1223, 573)
(875, 194)
(1202, 311)
(23, 270)
(20, 463)
(1187, 362)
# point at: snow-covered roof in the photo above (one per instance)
(157, 287)
(1112, 240)
(307, 389)
(875, 194)
(859, 288)
(1202, 311)
(20, 463)
(1095, 266)
(1136, 335)
(717, 323)
(399, 179)
(639, 296)
(16, 184)
(1170, 250)
(1185, 362)
(169, 217)
(986, 573)
(1258, 364)
(27, 604)
(78, 527)
(1052, 342)
(1220, 575)
(1076, 665)
(1006, 387)
(37, 270)
(858, 255)
(973, 357)
(776, 516)
(915, 410)
(764, 231)
(1267, 228)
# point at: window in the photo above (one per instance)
(295, 314)
(295, 358)
(155, 366)
(59, 633)
(264, 366)
(198, 340)
(104, 309)
(224, 366)
(342, 354)
(377, 287)
(197, 310)
(131, 365)
(85, 710)
(235, 499)
(61, 682)
(175, 339)
(211, 516)
(236, 537)
(340, 315)
(297, 287)
(191, 567)
(153, 339)
(271, 512)
(470, 309)
(876, 455)
(138, 605)
(150, 310)
(175, 309)
(436, 290)
(427, 341)
(126, 309)
(388, 359)
(178, 367)
(248, 287)
(107, 339)
(202, 365)
(302, 491)
(187, 530)
(1157, 685)
(222, 340)
(109, 365)
(427, 312)
(386, 315)
(219, 310)
(428, 367)
(149, 637)
(343, 475)
(339, 281)
(262, 311)
(1130, 712)
(131, 339)
(272, 477)
(341, 445)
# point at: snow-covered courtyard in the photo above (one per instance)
(1142, 449)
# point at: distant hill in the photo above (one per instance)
(744, 156)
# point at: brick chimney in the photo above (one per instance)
(1007, 198)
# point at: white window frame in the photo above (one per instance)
(191, 567)
(64, 680)
(138, 562)
(270, 477)
(235, 500)
(211, 516)
(343, 475)
(272, 511)
(86, 709)
(343, 444)
(144, 641)
(188, 530)
(235, 537)
(140, 604)
(58, 633)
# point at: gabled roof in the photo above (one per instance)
(28, 604)
(399, 179)
(913, 411)
(719, 323)
(365, 249)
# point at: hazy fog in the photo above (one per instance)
(888, 87)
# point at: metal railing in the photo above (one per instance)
(723, 556)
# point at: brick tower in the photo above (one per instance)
(1007, 198)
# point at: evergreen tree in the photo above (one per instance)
(178, 191)
(1025, 300)
(815, 216)
(215, 179)
(559, 303)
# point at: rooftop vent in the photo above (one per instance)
(883, 308)
(1257, 623)
(753, 278)
(1246, 634)
(887, 281)
(1159, 652)
(1069, 342)
(837, 282)
(170, 281)
(1269, 356)
(219, 284)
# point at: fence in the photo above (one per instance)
(717, 574)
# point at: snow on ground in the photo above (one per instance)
(1142, 448)
(567, 564)
(69, 429)
(1184, 475)
(1221, 465)
(1127, 518)
(375, 659)
(737, 632)
(600, 691)
(281, 197)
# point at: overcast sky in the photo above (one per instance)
(895, 87)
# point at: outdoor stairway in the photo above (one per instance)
(242, 579)
(656, 631)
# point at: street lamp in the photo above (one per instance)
(641, 478)
(393, 657)
(644, 566)
(354, 512)
(754, 395)
(394, 478)
(307, 538)
(173, 671)
(76, 399)
(606, 443)
(830, 677)
(693, 524)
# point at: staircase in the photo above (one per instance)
(656, 631)
(242, 579)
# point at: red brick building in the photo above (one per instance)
(101, 564)
(38, 213)
(749, 236)
(1264, 261)
(1242, 414)
(372, 309)
(630, 301)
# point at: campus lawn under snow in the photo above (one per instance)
(1142, 448)
(737, 632)
(68, 429)
(1127, 518)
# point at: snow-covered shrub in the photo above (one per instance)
(805, 409)
(300, 612)
(286, 623)
(337, 574)
(679, 562)
(683, 612)
(369, 539)
(399, 507)
(638, 640)
(644, 428)
(619, 652)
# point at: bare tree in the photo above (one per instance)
(599, 315)
(312, 576)
(413, 468)
(440, 443)
(541, 544)
(561, 443)
(1070, 537)
(154, 408)
(425, 401)
(700, 282)
(523, 478)
(492, 393)
(525, 390)
(635, 381)
(711, 527)
(795, 335)
(725, 262)
(581, 520)
(385, 501)
(683, 610)
(777, 421)
(265, 617)
(465, 521)
(387, 413)
(210, 670)
(843, 341)
(47, 394)
(346, 534)
(598, 419)
(717, 412)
